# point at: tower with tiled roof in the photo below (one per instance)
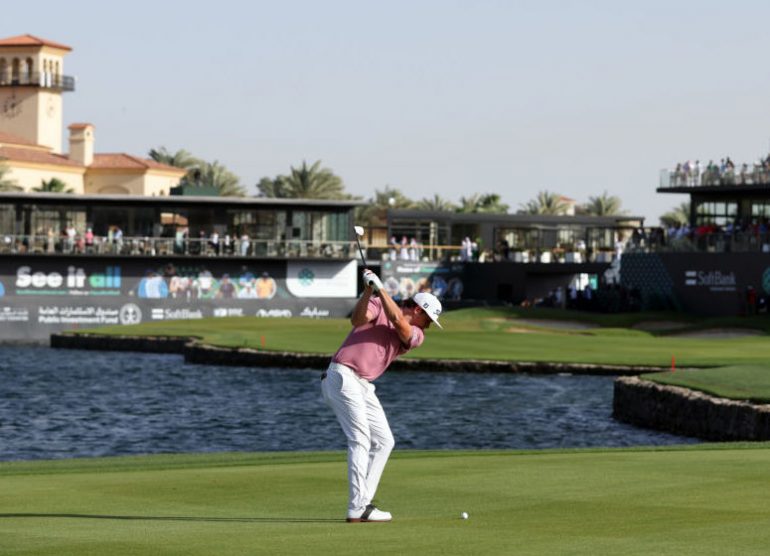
(32, 81)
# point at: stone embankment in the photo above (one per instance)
(195, 352)
(688, 412)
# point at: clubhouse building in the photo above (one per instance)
(32, 85)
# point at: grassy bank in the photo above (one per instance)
(493, 334)
(706, 500)
(747, 382)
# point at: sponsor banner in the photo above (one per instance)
(701, 283)
(322, 280)
(403, 279)
(40, 295)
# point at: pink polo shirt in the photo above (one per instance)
(371, 347)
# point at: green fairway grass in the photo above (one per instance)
(486, 333)
(701, 500)
(747, 382)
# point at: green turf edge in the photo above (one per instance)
(157, 462)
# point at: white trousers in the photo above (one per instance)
(363, 421)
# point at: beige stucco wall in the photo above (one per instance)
(19, 113)
(29, 176)
(49, 120)
(39, 115)
(159, 183)
(114, 182)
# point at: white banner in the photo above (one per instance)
(319, 279)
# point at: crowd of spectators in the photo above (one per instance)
(405, 250)
(691, 173)
(739, 235)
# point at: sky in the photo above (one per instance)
(430, 97)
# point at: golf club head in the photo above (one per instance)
(359, 230)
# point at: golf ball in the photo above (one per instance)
(464, 515)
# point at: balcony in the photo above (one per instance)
(45, 80)
(682, 178)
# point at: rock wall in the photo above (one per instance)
(195, 352)
(688, 412)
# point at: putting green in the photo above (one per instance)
(704, 500)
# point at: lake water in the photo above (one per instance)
(62, 404)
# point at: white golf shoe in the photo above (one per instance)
(369, 514)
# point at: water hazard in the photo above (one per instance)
(62, 404)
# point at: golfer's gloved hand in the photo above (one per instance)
(372, 280)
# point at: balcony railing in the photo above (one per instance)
(745, 175)
(45, 80)
(171, 247)
(162, 246)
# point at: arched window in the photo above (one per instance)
(15, 70)
(57, 77)
(28, 67)
(3, 71)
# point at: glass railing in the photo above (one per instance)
(162, 246)
(744, 175)
(754, 239)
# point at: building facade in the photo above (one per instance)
(32, 85)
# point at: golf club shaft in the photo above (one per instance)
(361, 251)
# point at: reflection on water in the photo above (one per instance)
(62, 403)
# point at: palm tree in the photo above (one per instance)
(313, 183)
(545, 203)
(54, 185)
(603, 205)
(437, 203)
(7, 184)
(375, 213)
(305, 182)
(487, 202)
(272, 187)
(216, 175)
(677, 215)
(180, 159)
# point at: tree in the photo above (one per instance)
(678, 215)
(487, 202)
(216, 175)
(305, 182)
(272, 187)
(545, 203)
(180, 159)
(6, 183)
(375, 213)
(54, 185)
(437, 203)
(603, 205)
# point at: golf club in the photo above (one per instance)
(359, 233)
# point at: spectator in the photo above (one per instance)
(466, 249)
(404, 254)
(413, 248)
(214, 242)
(245, 244)
(89, 239)
(393, 248)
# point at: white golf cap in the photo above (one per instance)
(430, 304)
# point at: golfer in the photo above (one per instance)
(381, 332)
